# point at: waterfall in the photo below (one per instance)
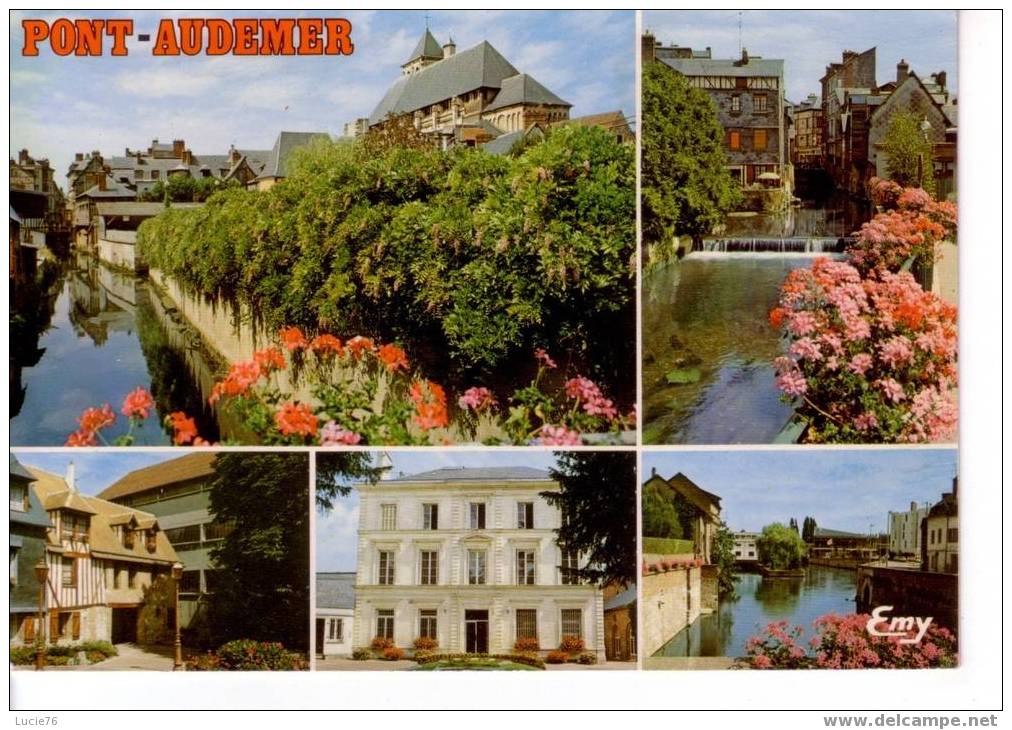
(793, 245)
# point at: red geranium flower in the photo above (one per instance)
(296, 419)
(138, 404)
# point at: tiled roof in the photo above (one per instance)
(692, 490)
(192, 466)
(479, 67)
(54, 493)
(478, 474)
(502, 144)
(523, 89)
(137, 208)
(427, 47)
(825, 532)
(335, 590)
(277, 163)
(607, 120)
(726, 67)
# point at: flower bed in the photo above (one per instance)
(843, 642)
(461, 660)
(248, 655)
(666, 565)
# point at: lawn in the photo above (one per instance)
(667, 546)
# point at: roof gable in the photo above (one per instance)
(524, 89)
(277, 163)
(427, 47)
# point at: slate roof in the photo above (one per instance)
(427, 47)
(824, 532)
(18, 470)
(479, 67)
(502, 144)
(523, 89)
(693, 491)
(621, 600)
(54, 493)
(277, 162)
(948, 507)
(137, 208)
(35, 514)
(726, 67)
(335, 590)
(477, 474)
(192, 466)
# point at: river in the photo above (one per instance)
(708, 347)
(100, 334)
(761, 601)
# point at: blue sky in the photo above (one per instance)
(336, 538)
(809, 40)
(842, 489)
(95, 470)
(63, 105)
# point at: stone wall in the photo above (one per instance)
(671, 601)
(709, 588)
(910, 593)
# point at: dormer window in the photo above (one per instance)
(151, 540)
(73, 527)
(19, 497)
(128, 538)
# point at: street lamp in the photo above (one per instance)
(41, 575)
(925, 129)
(177, 575)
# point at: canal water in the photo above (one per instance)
(761, 601)
(101, 334)
(708, 346)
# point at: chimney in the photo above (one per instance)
(187, 157)
(647, 45)
(23, 157)
(653, 471)
(101, 180)
(178, 146)
(955, 486)
(902, 71)
(449, 48)
(913, 506)
(385, 465)
(96, 153)
(78, 156)
(744, 57)
(847, 55)
(940, 79)
(71, 477)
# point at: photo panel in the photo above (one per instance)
(475, 560)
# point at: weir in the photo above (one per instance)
(809, 245)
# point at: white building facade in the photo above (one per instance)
(469, 557)
(905, 530)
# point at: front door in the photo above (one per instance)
(476, 630)
(321, 625)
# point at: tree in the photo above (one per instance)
(723, 558)
(598, 503)
(780, 547)
(334, 471)
(808, 529)
(686, 188)
(660, 518)
(909, 152)
(793, 524)
(397, 132)
(261, 590)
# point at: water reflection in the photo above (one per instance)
(834, 217)
(99, 341)
(761, 601)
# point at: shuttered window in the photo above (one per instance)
(29, 624)
(75, 625)
(388, 517)
(759, 138)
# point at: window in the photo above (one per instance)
(525, 567)
(570, 564)
(427, 623)
(430, 516)
(138, 173)
(527, 623)
(525, 515)
(477, 516)
(759, 101)
(335, 629)
(73, 526)
(19, 498)
(736, 103)
(388, 517)
(476, 567)
(217, 530)
(189, 582)
(155, 174)
(116, 580)
(429, 568)
(386, 568)
(953, 535)
(572, 622)
(132, 578)
(68, 572)
(759, 139)
(385, 624)
(183, 535)
(734, 140)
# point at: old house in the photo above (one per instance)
(335, 613)
(469, 558)
(108, 569)
(28, 524)
(699, 511)
(940, 534)
(854, 71)
(808, 129)
(177, 493)
(470, 97)
(614, 122)
(748, 93)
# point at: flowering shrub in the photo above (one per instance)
(870, 359)
(843, 642)
(461, 661)
(571, 644)
(248, 655)
(361, 654)
(910, 227)
(426, 643)
(380, 643)
(557, 657)
(393, 653)
(526, 644)
(587, 659)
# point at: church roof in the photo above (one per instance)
(479, 67)
(277, 163)
(523, 89)
(428, 47)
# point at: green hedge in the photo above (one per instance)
(667, 546)
(469, 259)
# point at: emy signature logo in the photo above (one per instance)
(882, 625)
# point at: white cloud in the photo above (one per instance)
(165, 82)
